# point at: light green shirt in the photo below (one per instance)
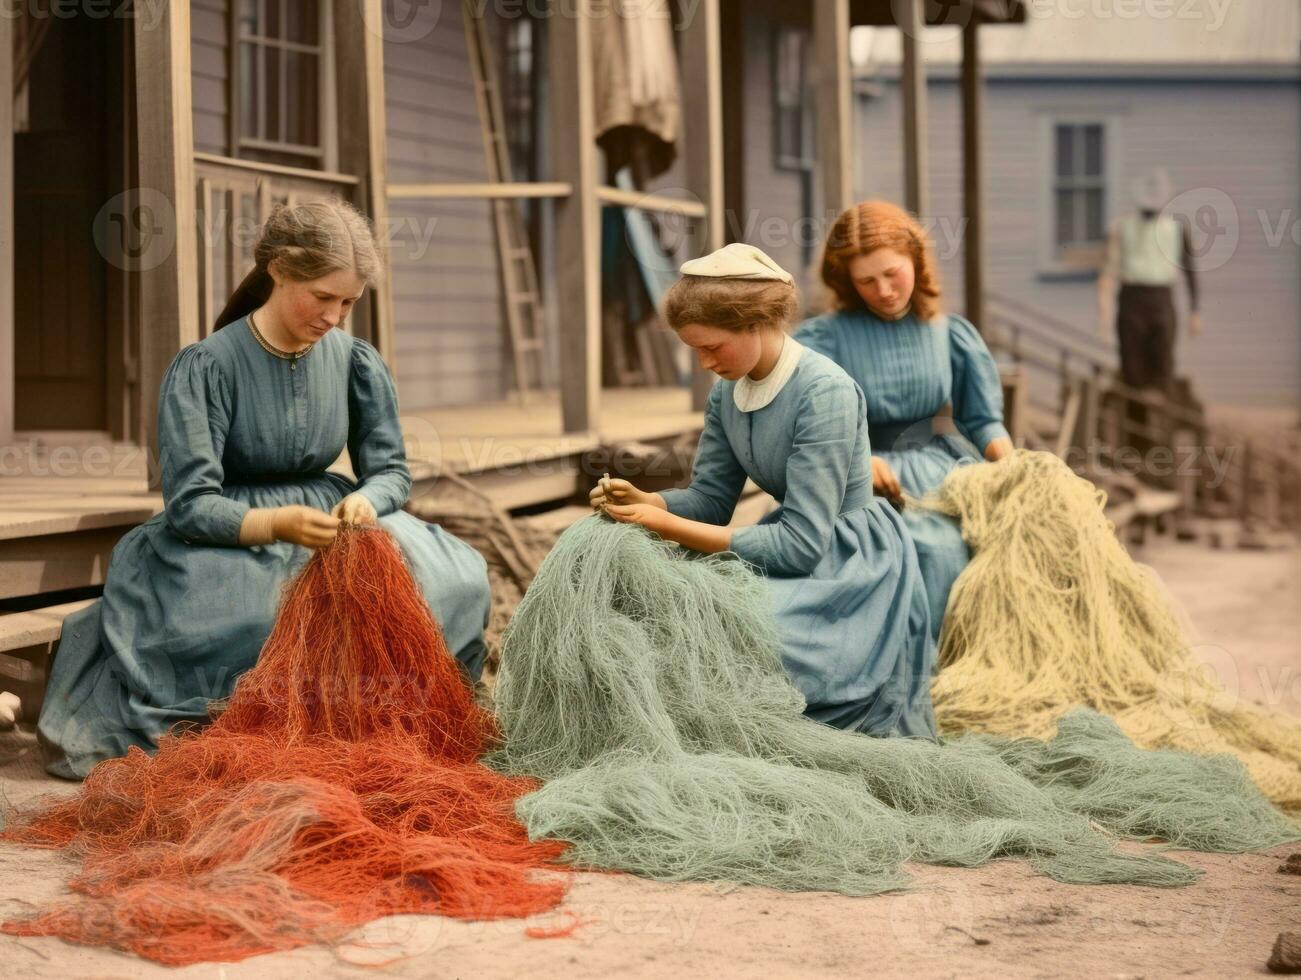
(1149, 251)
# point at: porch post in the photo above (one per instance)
(973, 249)
(911, 25)
(703, 139)
(362, 136)
(834, 115)
(578, 258)
(169, 298)
(7, 354)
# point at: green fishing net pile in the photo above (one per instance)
(643, 684)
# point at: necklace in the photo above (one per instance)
(293, 357)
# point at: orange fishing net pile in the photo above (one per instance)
(341, 784)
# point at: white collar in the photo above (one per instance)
(751, 395)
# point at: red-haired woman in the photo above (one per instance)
(934, 397)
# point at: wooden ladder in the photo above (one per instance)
(519, 276)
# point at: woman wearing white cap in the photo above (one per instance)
(846, 587)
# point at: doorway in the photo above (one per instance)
(73, 122)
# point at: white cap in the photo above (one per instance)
(736, 261)
(1153, 192)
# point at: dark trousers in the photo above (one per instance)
(1145, 327)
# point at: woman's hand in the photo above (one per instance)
(707, 538)
(999, 448)
(305, 526)
(355, 508)
(883, 479)
(611, 491)
(11, 709)
(649, 516)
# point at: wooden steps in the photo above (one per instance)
(26, 641)
(38, 627)
(65, 544)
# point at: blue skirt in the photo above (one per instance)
(941, 552)
(855, 634)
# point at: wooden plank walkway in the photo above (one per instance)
(66, 498)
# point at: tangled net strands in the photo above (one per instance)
(340, 785)
(644, 685)
(1052, 613)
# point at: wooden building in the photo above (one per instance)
(1215, 101)
(148, 148)
(149, 140)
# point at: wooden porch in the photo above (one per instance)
(67, 498)
(171, 302)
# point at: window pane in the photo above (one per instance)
(1065, 217)
(302, 22)
(275, 25)
(248, 19)
(1093, 215)
(274, 129)
(283, 157)
(302, 103)
(249, 89)
(790, 66)
(1093, 151)
(1065, 151)
(790, 145)
(518, 88)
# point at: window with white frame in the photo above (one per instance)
(1079, 188)
(280, 81)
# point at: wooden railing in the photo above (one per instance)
(1096, 415)
(233, 198)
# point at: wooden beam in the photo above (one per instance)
(8, 381)
(36, 627)
(483, 191)
(973, 174)
(257, 166)
(732, 45)
(362, 129)
(703, 146)
(53, 562)
(120, 321)
(577, 228)
(834, 115)
(643, 201)
(169, 297)
(914, 107)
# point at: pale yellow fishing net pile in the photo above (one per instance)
(1052, 613)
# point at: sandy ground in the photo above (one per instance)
(997, 921)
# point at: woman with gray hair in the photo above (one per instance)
(249, 420)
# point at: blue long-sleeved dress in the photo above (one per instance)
(846, 588)
(909, 371)
(185, 608)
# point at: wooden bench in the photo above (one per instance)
(26, 640)
(51, 543)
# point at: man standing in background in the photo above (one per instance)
(1146, 252)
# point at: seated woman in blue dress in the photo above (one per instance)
(249, 420)
(934, 396)
(845, 585)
